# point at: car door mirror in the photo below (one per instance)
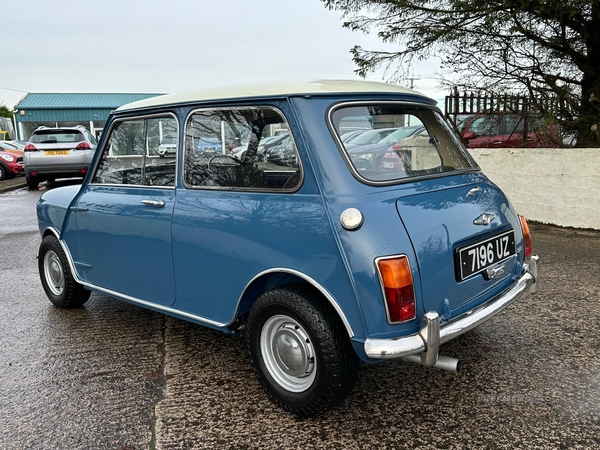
(469, 135)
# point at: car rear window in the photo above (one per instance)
(58, 137)
(418, 142)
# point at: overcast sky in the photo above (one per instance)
(175, 45)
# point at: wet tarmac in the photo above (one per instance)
(115, 376)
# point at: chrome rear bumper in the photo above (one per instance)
(433, 333)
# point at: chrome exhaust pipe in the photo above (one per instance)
(443, 362)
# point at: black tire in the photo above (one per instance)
(322, 366)
(3, 173)
(58, 282)
(32, 182)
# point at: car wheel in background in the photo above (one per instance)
(32, 182)
(300, 350)
(57, 279)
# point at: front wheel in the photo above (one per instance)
(300, 350)
(58, 281)
(3, 173)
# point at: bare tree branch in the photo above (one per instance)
(542, 47)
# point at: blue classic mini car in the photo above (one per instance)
(370, 254)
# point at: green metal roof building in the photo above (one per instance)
(68, 109)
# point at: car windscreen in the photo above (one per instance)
(423, 144)
(56, 137)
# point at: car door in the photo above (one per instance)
(123, 216)
(234, 218)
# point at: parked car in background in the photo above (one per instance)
(284, 154)
(504, 130)
(283, 137)
(10, 146)
(11, 163)
(168, 146)
(386, 154)
(54, 153)
(369, 137)
(349, 135)
(208, 144)
(18, 144)
(318, 264)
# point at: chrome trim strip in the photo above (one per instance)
(176, 312)
(409, 345)
(308, 279)
(155, 306)
(129, 298)
(132, 186)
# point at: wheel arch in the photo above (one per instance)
(50, 231)
(280, 277)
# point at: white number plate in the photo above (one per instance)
(475, 258)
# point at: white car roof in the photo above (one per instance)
(272, 89)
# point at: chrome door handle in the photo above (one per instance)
(158, 203)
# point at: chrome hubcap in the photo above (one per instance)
(55, 278)
(288, 353)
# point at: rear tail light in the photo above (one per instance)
(526, 236)
(29, 148)
(83, 146)
(396, 278)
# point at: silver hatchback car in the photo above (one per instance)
(57, 153)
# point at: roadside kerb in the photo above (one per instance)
(15, 183)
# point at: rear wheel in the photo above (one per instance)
(58, 281)
(300, 350)
(32, 182)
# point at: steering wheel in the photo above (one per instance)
(292, 180)
(220, 155)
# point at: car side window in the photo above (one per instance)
(248, 148)
(131, 155)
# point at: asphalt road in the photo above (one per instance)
(116, 376)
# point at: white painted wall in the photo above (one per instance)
(548, 185)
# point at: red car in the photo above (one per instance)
(11, 164)
(499, 130)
